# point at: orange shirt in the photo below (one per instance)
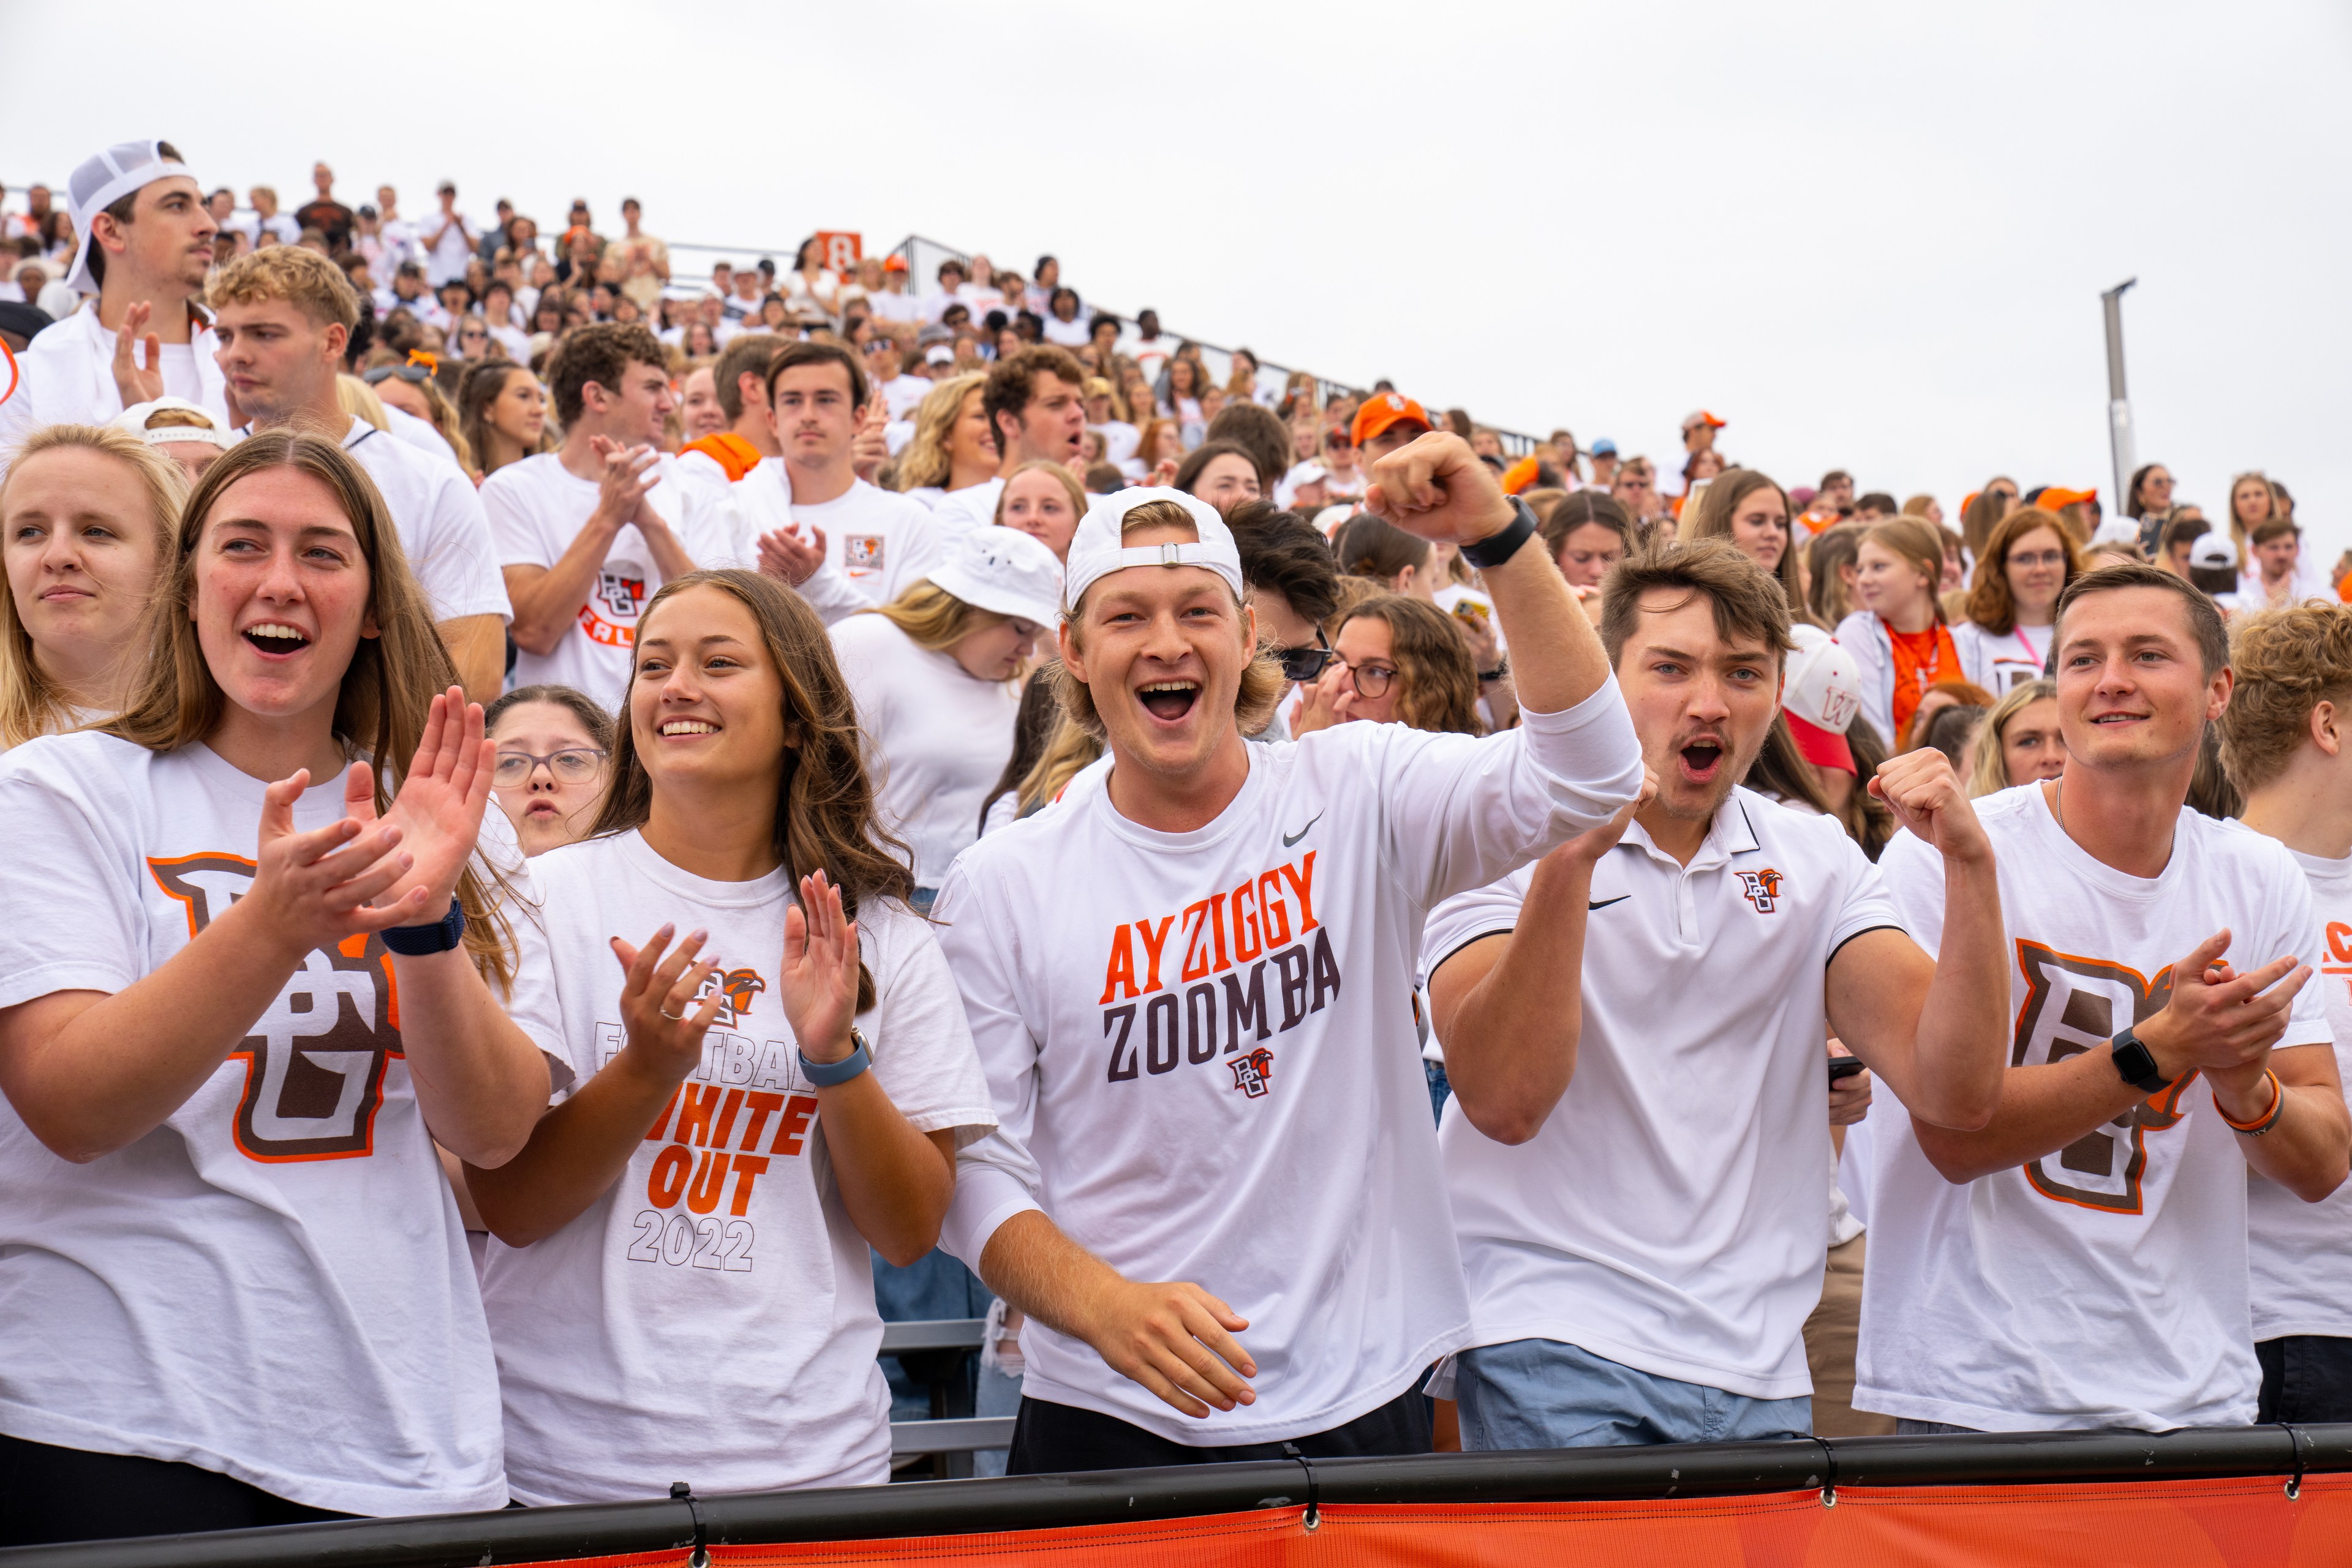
(1921, 658)
(728, 450)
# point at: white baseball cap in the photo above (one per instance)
(1098, 549)
(2118, 530)
(1821, 693)
(135, 419)
(2213, 551)
(1002, 570)
(102, 180)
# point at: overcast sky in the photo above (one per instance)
(1869, 235)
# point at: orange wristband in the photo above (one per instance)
(2263, 1122)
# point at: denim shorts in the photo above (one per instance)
(1542, 1394)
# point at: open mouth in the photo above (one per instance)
(674, 728)
(1701, 758)
(2119, 719)
(276, 637)
(1169, 700)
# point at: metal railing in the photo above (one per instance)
(943, 1435)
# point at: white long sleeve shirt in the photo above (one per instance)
(1203, 1052)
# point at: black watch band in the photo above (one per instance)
(423, 941)
(1497, 547)
(2136, 1064)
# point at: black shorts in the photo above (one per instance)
(1048, 1438)
(49, 1494)
(2306, 1378)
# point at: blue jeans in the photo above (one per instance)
(1542, 1394)
(1439, 1090)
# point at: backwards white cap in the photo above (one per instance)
(135, 419)
(1098, 548)
(103, 180)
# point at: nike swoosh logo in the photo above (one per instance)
(1291, 839)
(1606, 902)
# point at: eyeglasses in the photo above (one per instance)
(2039, 558)
(579, 764)
(1369, 679)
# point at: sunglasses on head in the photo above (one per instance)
(414, 373)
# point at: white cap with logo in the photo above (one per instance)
(1821, 693)
(211, 432)
(102, 180)
(1098, 549)
(1002, 570)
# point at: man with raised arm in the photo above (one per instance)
(2081, 1261)
(1635, 1147)
(145, 243)
(1216, 1193)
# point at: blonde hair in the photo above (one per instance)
(1990, 773)
(1070, 750)
(1255, 698)
(30, 703)
(387, 689)
(1070, 487)
(360, 401)
(303, 277)
(1917, 541)
(925, 462)
(934, 618)
(2287, 662)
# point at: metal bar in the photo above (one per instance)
(933, 1334)
(1035, 1502)
(955, 1436)
(2122, 450)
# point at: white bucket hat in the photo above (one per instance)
(1003, 570)
(1098, 549)
(102, 180)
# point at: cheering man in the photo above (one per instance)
(1217, 1194)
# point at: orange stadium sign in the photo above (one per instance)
(842, 249)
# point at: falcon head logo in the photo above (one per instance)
(1762, 889)
(738, 986)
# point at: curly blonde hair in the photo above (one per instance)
(2287, 662)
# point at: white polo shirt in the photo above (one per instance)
(1671, 1215)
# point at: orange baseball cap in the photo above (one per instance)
(895, 264)
(1701, 416)
(2057, 496)
(1389, 409)
(1519, 476)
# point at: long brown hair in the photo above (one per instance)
(1990, 603)
(30, 703)
(825, 818)
(1437, 680)
(387, 688)
(485, 383)
(1714, 521)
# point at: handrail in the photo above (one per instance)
(1116, 1497)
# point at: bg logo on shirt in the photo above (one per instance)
(315, 1060)
(1253, 1071)
(2076, 1004)
(738, 986)
(1762, 889)
(621, 592)
(862, 553)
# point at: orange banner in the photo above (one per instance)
(2247, 1522)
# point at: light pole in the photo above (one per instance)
(2119, 425)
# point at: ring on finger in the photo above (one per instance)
(673, 1017)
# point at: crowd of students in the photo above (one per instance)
(1349, 941)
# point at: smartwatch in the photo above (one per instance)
(825, 1075)
(423, 941)
(2136, 1064)
(1497, 547)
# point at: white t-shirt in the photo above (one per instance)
(446, 261)
(537, 507)
(975, 506)
(2105, 1284)
(1671, 1215)
(66, 376)
(877, 541)
(937, 738)
(2300, 1254)
(1202, 1049)
(889, 307)
(904, 393)
(441, 524)
(711, 1314)
(273, 1284)
(1998, 663)
(1069, 334)
(419, 434)
(1120, 441)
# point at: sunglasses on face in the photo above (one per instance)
(1303, 665)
